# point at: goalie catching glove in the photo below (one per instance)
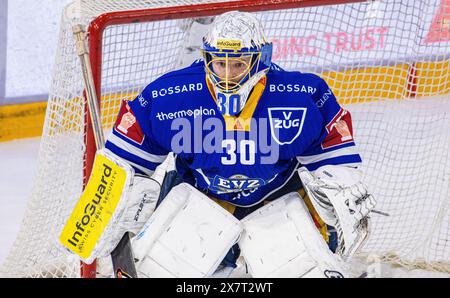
(342, 201)
(115, 201)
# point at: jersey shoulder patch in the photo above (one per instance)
(339, 129)
(127, 126)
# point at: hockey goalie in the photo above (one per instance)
(257, 165)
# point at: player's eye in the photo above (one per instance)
(221, 64)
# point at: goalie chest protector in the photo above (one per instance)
(237, 159)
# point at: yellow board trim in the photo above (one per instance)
(21, 121)
(433, 77)
(369, 84)
(349, 86)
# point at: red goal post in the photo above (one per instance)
(98, 25)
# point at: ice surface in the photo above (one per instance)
(17, 165)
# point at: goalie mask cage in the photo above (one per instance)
(386, 61)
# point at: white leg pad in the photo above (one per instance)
(187, 236)
(281, 240)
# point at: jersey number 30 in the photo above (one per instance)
(247, 151)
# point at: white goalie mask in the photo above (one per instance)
(237, 55)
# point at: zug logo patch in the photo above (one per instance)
(286, 124)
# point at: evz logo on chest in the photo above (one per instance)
(236, 183)
(286, 124)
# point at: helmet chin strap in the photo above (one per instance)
(244, 90)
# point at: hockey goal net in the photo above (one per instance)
(386, 61)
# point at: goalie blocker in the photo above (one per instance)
(115, 201)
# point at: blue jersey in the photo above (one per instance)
(291, 119)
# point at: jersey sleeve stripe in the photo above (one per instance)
(307, 159)
(353, 160)
(118, 142)
(144, 165)
(141, 169)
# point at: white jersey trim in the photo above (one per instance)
(319, 157)
(141, 168)
(136, 151)
(204, 177)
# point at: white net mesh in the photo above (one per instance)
(386, 61)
